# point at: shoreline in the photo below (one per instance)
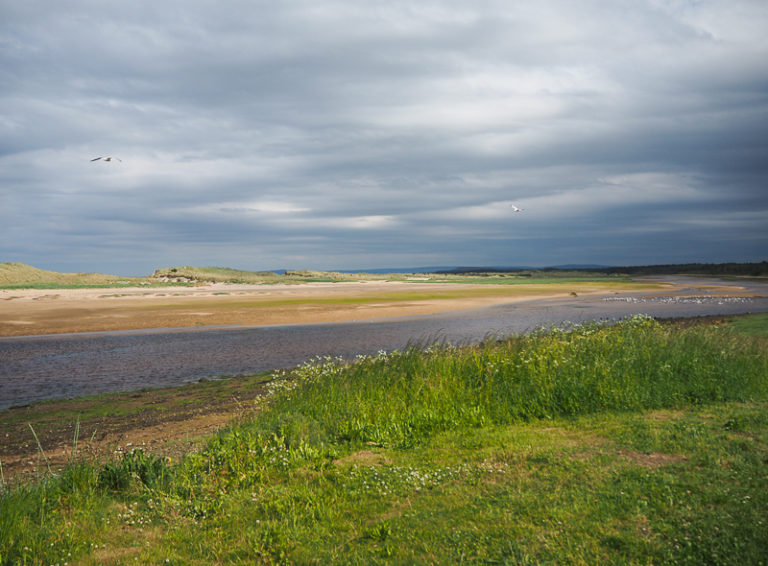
(33, 312)
(171, 420)
(168, 421)
(165, 421)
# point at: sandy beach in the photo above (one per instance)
(35, 312)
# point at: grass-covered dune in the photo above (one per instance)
(21, 275)
(192, 274)
(228, 275)
(638, 443)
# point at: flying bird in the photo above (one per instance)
(106, 159)
(515, 209)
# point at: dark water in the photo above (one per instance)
(38, 368)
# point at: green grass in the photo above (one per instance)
(21, 276)
(636, 443)
(754, 325)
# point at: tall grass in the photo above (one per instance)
(20, 276)
(402, 398)
(260, 484)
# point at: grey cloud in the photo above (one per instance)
(341, 133)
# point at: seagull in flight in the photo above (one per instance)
(515, 209)
(106, 159)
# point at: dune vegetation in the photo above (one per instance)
(227, 275)
(190, 274)
(632, 443)
(215, 275)
(20, 275)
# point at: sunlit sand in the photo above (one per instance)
(49, 311)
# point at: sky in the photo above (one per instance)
(339, 135)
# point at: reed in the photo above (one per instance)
(40, 450)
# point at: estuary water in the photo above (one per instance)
(38, 368)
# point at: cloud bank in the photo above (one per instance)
(342, 135)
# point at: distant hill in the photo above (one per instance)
(22, 275)
(386, 270)
(579, 266)
(718, 269)
(523, 268)
(477, 269)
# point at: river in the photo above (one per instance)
(38, 368)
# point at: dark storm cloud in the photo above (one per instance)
(355, 134)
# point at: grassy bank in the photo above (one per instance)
(637, 443)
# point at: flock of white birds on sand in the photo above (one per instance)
(110, 158)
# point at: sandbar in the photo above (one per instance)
(53, 311)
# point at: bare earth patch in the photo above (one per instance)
(652, 459)
(168, 422)
(364, 458)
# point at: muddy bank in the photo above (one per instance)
(168, 422)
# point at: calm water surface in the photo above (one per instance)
(38, 368)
